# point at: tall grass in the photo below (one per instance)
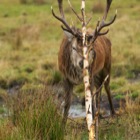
(35, 116)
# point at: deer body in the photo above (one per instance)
(72, 54)
(100, 66)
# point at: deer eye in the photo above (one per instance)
(79, 40)
(74, 49)
(89, 38)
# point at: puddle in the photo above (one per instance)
(77, 111)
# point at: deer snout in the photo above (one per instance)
(81, 64)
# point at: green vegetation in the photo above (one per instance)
(34, 116)
(123, 127)
(29, 41)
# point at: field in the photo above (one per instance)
(29, 41)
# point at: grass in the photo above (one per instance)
(34, 115)
(29, 41)
(126, 126)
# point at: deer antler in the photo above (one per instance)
(62, 18)
(107, 9)
(101, 24)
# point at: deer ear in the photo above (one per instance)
(69, 35)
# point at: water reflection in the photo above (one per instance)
(77, 111)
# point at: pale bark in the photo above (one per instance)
(88, 94)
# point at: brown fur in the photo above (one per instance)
(99, 69)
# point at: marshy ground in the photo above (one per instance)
(29, 42)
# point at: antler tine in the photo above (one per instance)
(70, 31)
(64, 22)
(103, 33)
(103, 24)
(96, 31)
(74, 11)
(94, 36)
(61, 8)
(62, 19)
(107, 9)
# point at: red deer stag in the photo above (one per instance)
(70, 57)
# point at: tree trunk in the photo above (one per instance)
(88, 95)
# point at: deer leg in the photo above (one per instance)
(93, 98)
(68, 87)
(98, 85)
(107, 89)
(98, 99)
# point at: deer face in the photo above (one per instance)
(76, 53)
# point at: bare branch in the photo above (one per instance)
(106, 78)
(83, 13)
(74, 11)
(88, 21)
